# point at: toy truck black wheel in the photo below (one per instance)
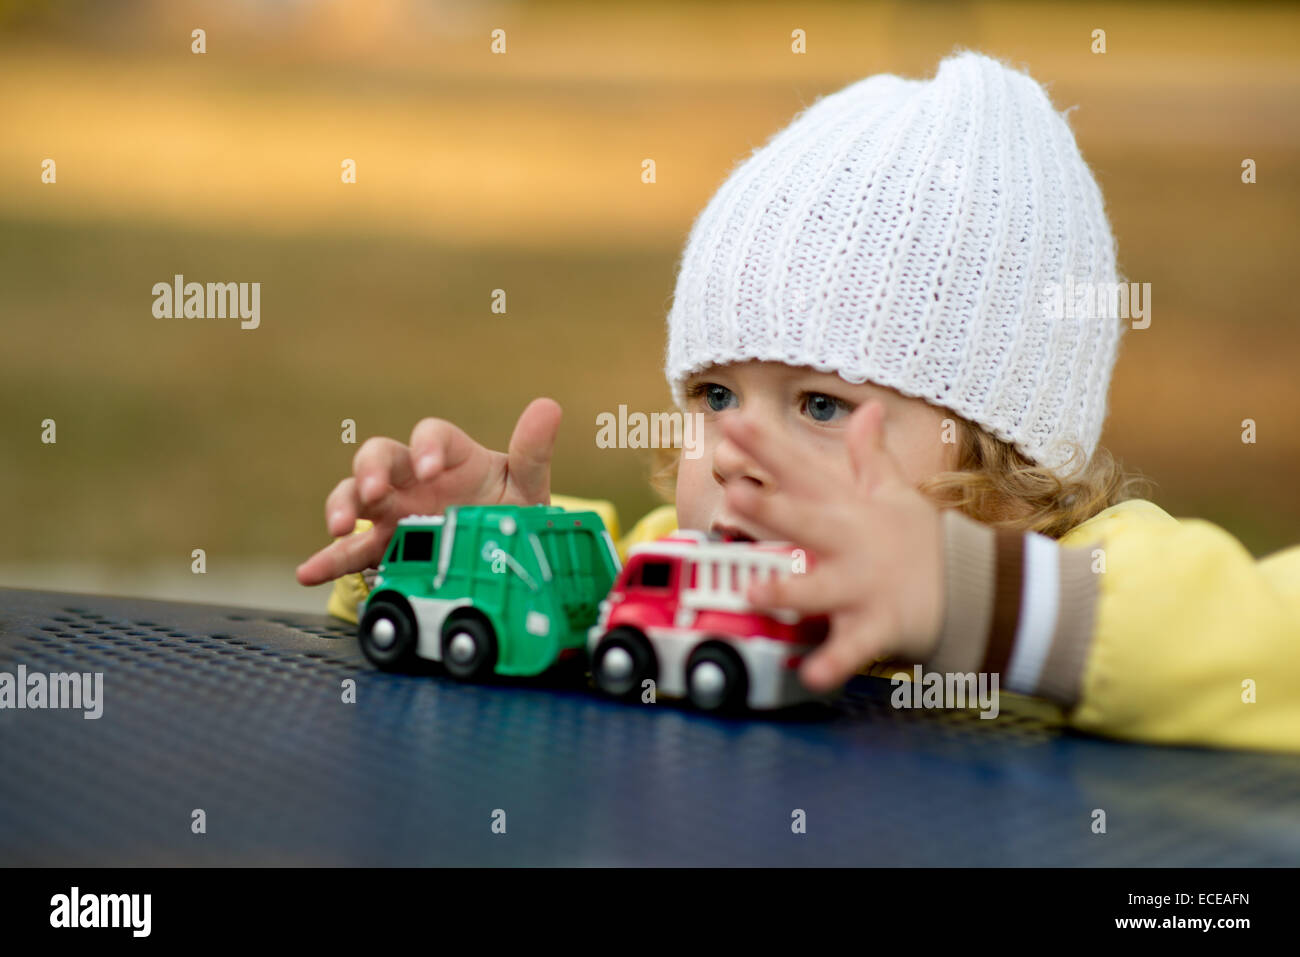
(623, 662)
(469, 648)
(388, 635)
(716, 679)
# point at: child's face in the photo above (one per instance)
(812, 409)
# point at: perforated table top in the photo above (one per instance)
(241, 714)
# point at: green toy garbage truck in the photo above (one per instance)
(510, 589)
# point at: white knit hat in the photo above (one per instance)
(908, 233)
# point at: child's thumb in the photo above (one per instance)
(871, 461)
(531, 446)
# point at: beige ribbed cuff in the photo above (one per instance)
(1062, 677)
(969, 563)
(984, 573)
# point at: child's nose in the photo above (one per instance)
(730, 464)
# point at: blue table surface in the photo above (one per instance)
(240, 713)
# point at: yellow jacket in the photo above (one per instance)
(1133, 625)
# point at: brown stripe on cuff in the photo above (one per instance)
(1008, 586)
(1062, 677)
(969, 550)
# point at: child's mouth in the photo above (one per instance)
(729, 533)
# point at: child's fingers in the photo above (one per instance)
(806, 523)
(775, 454)
(871, 461)
(436, 445)
(341, 508)
(820, 591)
(531, 446)
(380, 465)
(854, 641)
(349, 554)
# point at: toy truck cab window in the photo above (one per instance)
(653, 574)
(417, 546)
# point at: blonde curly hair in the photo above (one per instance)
(995, 484)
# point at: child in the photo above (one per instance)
(865, 317)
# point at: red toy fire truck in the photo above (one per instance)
(677, 616)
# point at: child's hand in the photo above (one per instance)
(877, 541)
(442, 466)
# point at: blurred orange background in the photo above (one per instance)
(522, 172)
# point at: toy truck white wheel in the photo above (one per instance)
(388, 635)
(716, 679)
(469, 648)
(623, 661)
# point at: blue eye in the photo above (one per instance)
(717, 397)
(823, 408)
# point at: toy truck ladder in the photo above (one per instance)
(723, 572)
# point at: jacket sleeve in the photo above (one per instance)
(1138, 625)
(349, 591)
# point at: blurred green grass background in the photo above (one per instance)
(522, 172)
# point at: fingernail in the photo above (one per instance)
(426, 466)
(371, 488)
(336, 518)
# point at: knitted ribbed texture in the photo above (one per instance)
(905, 232)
